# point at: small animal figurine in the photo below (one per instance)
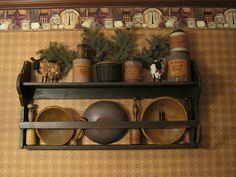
(50, 72)
(157, 70)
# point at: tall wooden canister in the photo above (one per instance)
(178, 40)
(178, 64)
(81, 70)
(82, 66)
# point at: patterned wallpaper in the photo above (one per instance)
(137, 17)
(214, 52)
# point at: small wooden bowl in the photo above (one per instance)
(174, 111)
(54, 137)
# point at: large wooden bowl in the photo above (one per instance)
(174, 111)
(105, 111)
(54, 137)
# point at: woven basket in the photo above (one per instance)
(108, 71)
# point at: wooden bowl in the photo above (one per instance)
(54, 137)
(105, 111)
(174, 111)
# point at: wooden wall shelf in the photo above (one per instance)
(102, 90)
(188, 91)
(106, 90)
(14, 4)
(101, 125)
(112, 147)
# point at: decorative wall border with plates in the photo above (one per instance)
(109, 18)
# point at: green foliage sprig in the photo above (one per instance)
(59, 53)
(123, 44)
(99, 46)
(158, 48)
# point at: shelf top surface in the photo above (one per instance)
(105, 84)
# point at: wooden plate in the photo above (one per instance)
(230, 17)
(54, 137)
(174, 111)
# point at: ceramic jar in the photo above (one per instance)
(35, 25)
(118, 24)
(25, 24)
(46, 26)
(108, 23)
(191, 22)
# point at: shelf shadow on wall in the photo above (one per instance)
(211, 105)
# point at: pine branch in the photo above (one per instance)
(99, 47)
(123, 43)
(56, 52)
(158, 48)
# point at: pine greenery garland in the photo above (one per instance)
(99, 47)
(123, 44)
(158, 48)
(57, 52)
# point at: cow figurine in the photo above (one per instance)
(157, 70)
(50, 72)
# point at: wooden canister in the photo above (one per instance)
(178, 40)
(178, 64)
(81, 70)
(133, 71)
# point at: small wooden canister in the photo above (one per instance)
(133, 71)
(81, 70)
(178, 40)
(178, 66)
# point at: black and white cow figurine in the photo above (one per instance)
(157, 70)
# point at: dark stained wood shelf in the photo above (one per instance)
(188, 91)
(112, 147)
(97, 90)
(105, 84)
(102, 125)
(103, 90)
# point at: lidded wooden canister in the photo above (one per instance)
(178, 40)
(132, 71)
(178, 62)
(81, 70)
(178, 66)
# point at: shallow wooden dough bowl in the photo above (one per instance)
(54, 114)
(105, 111)
(174, 111)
